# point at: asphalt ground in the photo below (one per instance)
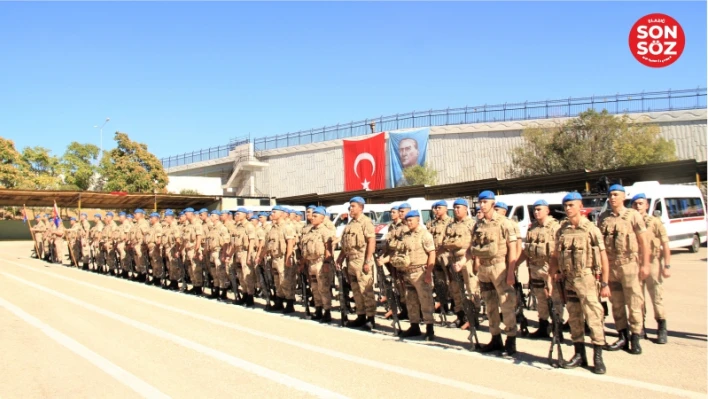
(68, 333)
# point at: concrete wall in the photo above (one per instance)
(203, 185)
(458, 152)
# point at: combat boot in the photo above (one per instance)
(370, 323)
(290, 307)
(661, 332)
(510, 346)
(404, 314)
(429, 333)
(621, 343)
(326, 317)
(358, 322)
(318, 313)
(214, 293)
(634, 348)
(494, 345)
(461, 319)
(249, 301)
(412, 331)
(597, 360)
(542, 331)
(197, 291)
(579, 359)
(278, 306)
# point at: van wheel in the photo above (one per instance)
(695, 244)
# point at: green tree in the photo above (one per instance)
(593, 141)
(420, 175)
(131, 167)
(42, 169)
(189, 191)
(76, 166)
(12, 165)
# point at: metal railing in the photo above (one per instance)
(208, 154)
(669, 100)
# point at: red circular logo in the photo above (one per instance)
(657, 40)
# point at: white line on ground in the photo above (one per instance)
(260, 371)
(124, 377)
(311, 348)
(575, 373)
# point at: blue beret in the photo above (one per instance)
(461, 201)
(181, 213)
(254, 217)
(72, 219)
(262, 214)
(486, 194)
(639, 196)
(404, 205)
(540, 203)
(358, 200)
(440, 203)
(39, 217)
(500, 204)
(320, 210)
(130, 216)
(311, 206)
(98, 215)
(188, 210)
(278, 208)
(46, 215)
(154, 215)
(411, 214)
(574, 196)
(121, 214)
(139, 211)
(242, 210)
(169, 212)
(109, 213)
(83, 214)
(216, 212)
(477, 208)
(616, 187)
(203, 210)
(394, 208)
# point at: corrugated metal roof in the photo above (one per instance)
(93, 199)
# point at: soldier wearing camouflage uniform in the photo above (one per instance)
(139, 231)
(437, 226)
(217, 240)
(96, 239)
(280, 245)
(39, 230)
(172, 239)
(317, 261)
(192, 236)
(153, 239)
(110, 234)
(244, 241)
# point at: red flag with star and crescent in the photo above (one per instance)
(365, 163)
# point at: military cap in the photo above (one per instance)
(486, 194)
(278, 208)
(638, 197)
(181, 214)
(169, 212)
(72, 219)
(320, 210)
(130, 216)
(540, 203)
(139, 211)
(254, 217)
(574, 196)
(187, 210)
(501, 205)
(154, 215)
(311, 206)
(98, 215)
(263, 215)
(46, 215)
(216, 212)
(461, 201)
(404, 205)
(109, 214)
(84, 214)
(412, 214)
(477, 208)
(37, 217)
(241, 210)
(121, 214)
(358, 200)
(439, 203)
(394, 207)
(203, 210)
(616, 187)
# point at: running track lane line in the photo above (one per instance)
(260, 371)
(141, 387)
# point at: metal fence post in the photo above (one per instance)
(396, 121)
(669, 99)
(465, 114)
(413, 115)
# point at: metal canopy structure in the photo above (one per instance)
(686, 171)
(102, 200)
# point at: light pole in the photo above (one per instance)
(101, 129)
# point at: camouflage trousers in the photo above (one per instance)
(496, 292)
(654, 285)
(419, 294)
(626, 297)
(363, 287)
(320, 282)
(584, 305)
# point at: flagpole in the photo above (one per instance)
(29, 226)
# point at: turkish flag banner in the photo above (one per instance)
(365, 163)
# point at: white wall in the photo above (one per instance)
(203, 185)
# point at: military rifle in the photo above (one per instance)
(441, 292)
(470, 309)
(343, 293)
(392, 298)
(557, 324)
(520, 318)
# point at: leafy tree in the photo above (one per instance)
(42, 169)
(420, 175)
(12, 165)
(593, 141)
(131, 167)
(189, 191)
(76, 166)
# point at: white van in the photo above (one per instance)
(680, 208)
(520, 207)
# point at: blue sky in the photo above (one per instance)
(186, 76)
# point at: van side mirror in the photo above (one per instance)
(657, 213)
